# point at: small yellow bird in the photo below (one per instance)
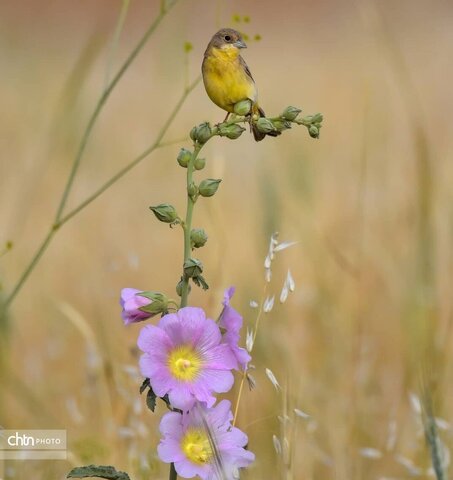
(227, 77)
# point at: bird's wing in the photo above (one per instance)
(246, 68)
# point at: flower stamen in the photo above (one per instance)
(195, 444)
(184, 363)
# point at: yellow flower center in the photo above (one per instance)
(184, 363)
(195, 444)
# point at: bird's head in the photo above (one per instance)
(228, 41)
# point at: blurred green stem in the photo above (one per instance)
(55, 226)
(102, 100)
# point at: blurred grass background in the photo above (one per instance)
(370, 204)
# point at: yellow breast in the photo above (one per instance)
(225, 79)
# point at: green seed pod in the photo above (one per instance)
(290, 113)
(264, 125)
(204, 132)
(165, 212)
(199, 163)
(179, 287)
(192, 268)
(193, 134)
(184, 157)
(198, 237)
(232, 131)
(208, 187)
(243, 107)
(192, 189)
(317, 118)
(313, 131)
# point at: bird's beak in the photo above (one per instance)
(240, 44)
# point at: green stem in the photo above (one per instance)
(188, 223)
(173, 475)
(102, 100)
(36, 257)
(45, 243)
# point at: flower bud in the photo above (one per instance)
(184, 157)
(139, 306)
(203, 133)
(313, 131)
(290, 113)
(264, 125)
(158, 302)
(193, 133)
(317, 118)
(199, 163)
(192, 268)
(192, 190)
(198, 237)
(243, 107)
(165, 212)
(208, 187)
(232, 131)
(179, 288)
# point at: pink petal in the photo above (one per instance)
(153, 339)
(170, 451)
(220, 357)
(210, 336)
(221, 415)
(181, 397)
(187, 469)
(219, 381)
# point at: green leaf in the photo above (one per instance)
(151, 399)
(200, 282)
(99, 471)
(144, 385)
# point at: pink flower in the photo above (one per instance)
(203, 442)
(231, 321)
(185, 358)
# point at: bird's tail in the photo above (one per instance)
(260, 135)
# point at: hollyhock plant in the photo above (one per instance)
(131, 301)
(185, 358)
(231, 322)
(188, 358)
(203, 442)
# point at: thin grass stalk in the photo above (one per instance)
(432, 435)
(165, 8)
(99, 105)
(125, 4)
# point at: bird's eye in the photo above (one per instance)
(227, 38)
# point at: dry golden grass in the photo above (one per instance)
(370, 204)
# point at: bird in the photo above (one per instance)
(227, 78)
